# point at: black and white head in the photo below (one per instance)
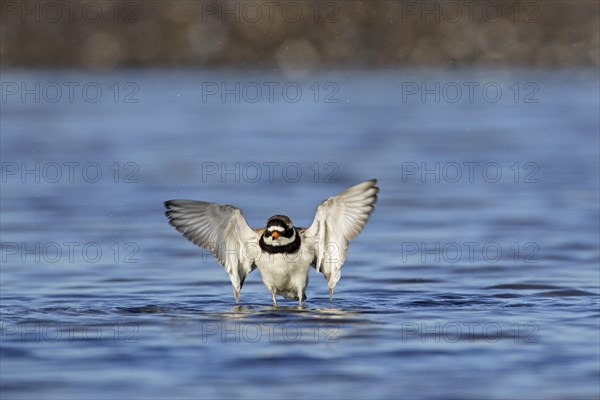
(280, 236)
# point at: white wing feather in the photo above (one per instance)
(223, 230)
(338, 220)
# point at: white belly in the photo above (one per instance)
(285, 274)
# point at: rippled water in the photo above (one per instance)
(461, 286)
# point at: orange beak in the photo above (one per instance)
(275, 235)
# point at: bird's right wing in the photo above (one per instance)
(338, 220)
(223, 230)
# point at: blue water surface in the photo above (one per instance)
(476, 277)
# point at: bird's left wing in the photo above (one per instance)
(338, 220)
(223, 230)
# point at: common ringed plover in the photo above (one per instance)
(282, 252)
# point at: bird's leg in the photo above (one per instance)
(330, 294)
(300, 298)
(236, 294)
(274, 301)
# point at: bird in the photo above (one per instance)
(282, 252)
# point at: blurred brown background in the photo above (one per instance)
(301, 34)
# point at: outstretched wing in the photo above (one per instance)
(223, 230)
(338, 220)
